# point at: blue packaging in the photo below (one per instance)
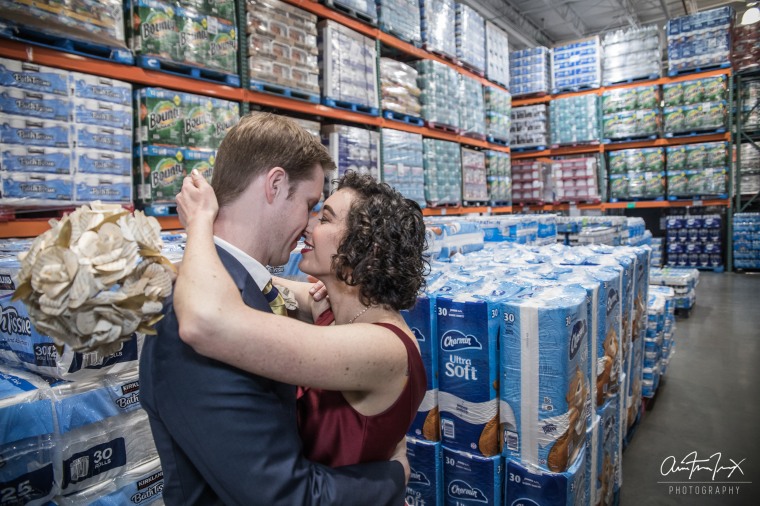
(471, 480)
(38, 353)
(37, 187)
(142, 485)
(544, 382)
(108, 188)
(99, 88)
(104, 114)
(96, 161)
(525, 485)
(33, 77)
(468, 328)
(34, 132)
(425, 486)
(593, 461)
(27, 440)
(423, 322)
(95, 137)
(35, 159)
(26, 103)
(611, 450)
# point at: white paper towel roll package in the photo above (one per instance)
(468, 328)
(544, 377)
(29, 474)
(142, 485)
(22, 346)
(103, 430)
(471, 479)
(423, 323)
(528, 485)
(425, 486)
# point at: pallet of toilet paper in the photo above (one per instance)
(529, 351)
(64, 136)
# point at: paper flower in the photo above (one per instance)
(96, 277)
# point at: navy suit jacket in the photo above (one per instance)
(229, 437)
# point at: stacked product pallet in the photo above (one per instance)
(348, 64)
(577, 65)
(365, 10)
(529, 127)
(497, 55)
(749, 170)
(474, 176)
(176, 133)
(746, 50)
(695, 106)
(193, 38)
(700, 40)
(698, 170)
(659, 342)
(637, 174)
(531, 182)
(401, 18)
(472, 108)
(695, 241)
(683, 282)
(438, 19)
(575, 230)
(352, 148)
(64, 136)
(638, 235)
(400, 96)
(442, 164)
(498, 115)
(94, 26)
(499, 174)
(747, 240)
(575, 120)
(402, 163)
(282, 49)
(593, 289)
(631, 113)
(525, 229)
(750, 114)
(313, 127)
(658, 252)
(530, 71)
(629, 54)
(470, 38)
(440, 91)
(576, 179)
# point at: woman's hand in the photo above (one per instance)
(320, 300)
(196, 202)
(399, 455)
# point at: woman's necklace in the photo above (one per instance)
(352, 320)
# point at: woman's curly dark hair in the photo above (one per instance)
(381, 252)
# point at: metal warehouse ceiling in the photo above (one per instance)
(547, 22)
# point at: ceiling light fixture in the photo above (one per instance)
(752, 15)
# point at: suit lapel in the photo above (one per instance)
(248, 288)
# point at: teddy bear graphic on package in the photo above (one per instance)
(607, 479)
(607, 376)
(570, 443)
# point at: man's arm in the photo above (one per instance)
(240, 432)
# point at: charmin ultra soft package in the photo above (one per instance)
(471, 479)
(425, 485)
(544, 380)
(529, 485)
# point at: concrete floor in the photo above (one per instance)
(708, 402)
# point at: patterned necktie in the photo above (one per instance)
(275, 300)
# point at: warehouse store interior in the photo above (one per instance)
(588, 172)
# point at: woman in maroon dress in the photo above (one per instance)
(363, 377)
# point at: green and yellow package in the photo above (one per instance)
(200, 122)
(223, 45)
(223, 9)
(227, 115)
(159, 172)
(193, 36)
(154, 30)
(160, 117)
(201, 160)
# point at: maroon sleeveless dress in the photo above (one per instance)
(334, 434)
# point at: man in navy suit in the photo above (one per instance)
(226, 436)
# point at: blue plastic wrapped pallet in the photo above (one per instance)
(700, 40)
(530, 71)
(577, 65)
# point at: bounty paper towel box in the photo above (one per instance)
(158, 173)
(544, 381)
(200, 122)
(527, 485)
(468, 335)
(471, 480)
(201, 160)
(160, 117)
(29, 474)
(423, 322)
(425, 486)
(142, 485)
(38, 353)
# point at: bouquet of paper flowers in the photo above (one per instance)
(96, 277)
